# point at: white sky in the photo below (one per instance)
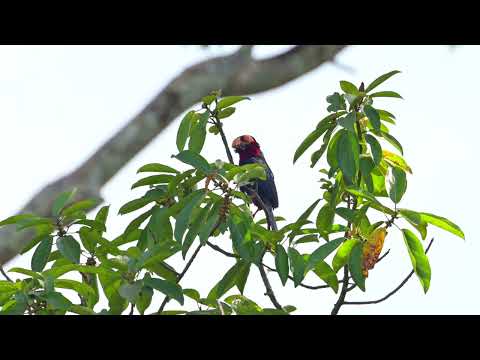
(59, 103)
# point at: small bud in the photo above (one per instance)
(219, 164)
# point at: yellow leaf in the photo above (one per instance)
(372, 249)
(396, 160)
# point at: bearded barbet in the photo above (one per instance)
(249, 151)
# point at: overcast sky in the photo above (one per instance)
(59, 103)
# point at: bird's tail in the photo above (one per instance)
(272, 224)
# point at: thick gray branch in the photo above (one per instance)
(236, 74)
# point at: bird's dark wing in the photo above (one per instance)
(266, 188)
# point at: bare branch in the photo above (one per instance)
(343, 292)
(237, 74)
(162, 306)
(391, 292)
(268, 287)
(5, 274)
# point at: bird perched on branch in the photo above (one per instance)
(249, 151)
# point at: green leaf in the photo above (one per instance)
(374, 202)
(69, 248)
(307, 238)
(325, 272)
(89, 269)
(347, 153)
(61, 201)
(348, 87)
(281, 264)
(415, 219)
(102, 214)
(163, 270)
(442, 223)
(198, 134)
(226, 283)
(34, 241)
(230, 100)
(307, 212)
(151, 180)
(144, 299)
(192, 294)
(226, 113)
(398, 184)
(242, 275)
(184, 130)
(82, 289)
(41, 254)
(254, 173)
(329, 118)
(297, 265)
(130, 291)
(373, 116)
(80, 205)
(7, 286)
(58, 301)
(336, 101)
(395, 160)
(332, 150)
(194, 229)
(135, 223)
(156, 167)
(27, 272)
(420, 262)
(110, 285)
(23, 224)
(81, 310)
(309, 140)
(386, 94)
(325, 220)
(196, 160)
(375, 148)
(348, 122)
(318, 154)
(346, 213)
(96, 225)
(134, 205)
(183, 217)
(355, 266)
(343, 254)
(170, 289)
(16, 218)
(392, 141)
(89, 238)
(380, 80)
(322, 252)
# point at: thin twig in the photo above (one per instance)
(224, 140)
(131, 309)
(343, 292)
(391, 292)
(220, 250)
(181, 276)
(5, 274)
(269, 292)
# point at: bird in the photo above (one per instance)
(249, 152)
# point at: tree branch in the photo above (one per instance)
(268, 287)
(391, 292)
(5, 274)
(343, 292)
(182, 274)
(235, 74)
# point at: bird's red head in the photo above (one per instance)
(246, 146)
